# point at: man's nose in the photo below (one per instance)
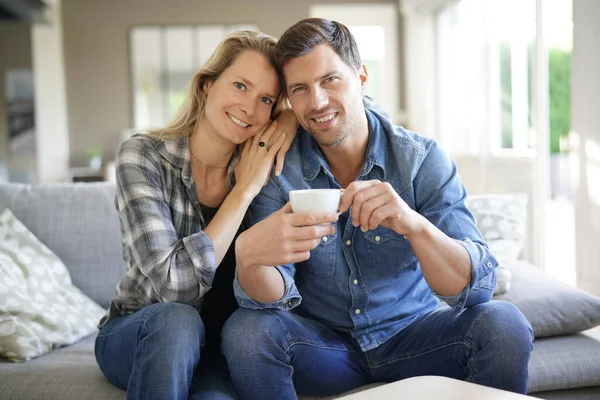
(319, 99)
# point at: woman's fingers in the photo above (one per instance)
(278, 145)
(287, 143)
(265, 137)
(257, 137)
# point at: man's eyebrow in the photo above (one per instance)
(328, 74)
(251, 85)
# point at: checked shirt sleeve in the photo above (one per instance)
(178, 269)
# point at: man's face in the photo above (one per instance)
(325, 94)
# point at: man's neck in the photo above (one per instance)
(347, 158)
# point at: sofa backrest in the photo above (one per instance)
(79, 223)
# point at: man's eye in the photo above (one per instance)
(297, 89)
(240, 86)
(330, 79)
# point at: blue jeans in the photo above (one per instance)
(157, 353)
(273, 354)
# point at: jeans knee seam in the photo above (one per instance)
(479, 317)
(464, 343)
(294, 343)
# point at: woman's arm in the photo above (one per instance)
(288, 125)
(179, 269)
(251, 172)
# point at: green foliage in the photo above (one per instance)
(559, 76)
(560, 96)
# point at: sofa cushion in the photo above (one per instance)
(501, 219)
(40, 309)
(553, 308)
(66, 373)
(564, 362)
(79, 223)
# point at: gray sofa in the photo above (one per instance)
(78, 222)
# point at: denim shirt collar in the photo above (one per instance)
(376, 154)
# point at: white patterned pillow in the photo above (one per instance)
(501, 219)
(40, 309)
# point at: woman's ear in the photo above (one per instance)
(206, 87)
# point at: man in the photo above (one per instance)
(356, 302)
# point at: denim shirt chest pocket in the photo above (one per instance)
(322, 258)
(388, 250)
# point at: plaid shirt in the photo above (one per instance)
(168, 256)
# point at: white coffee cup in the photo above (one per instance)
(315, 200)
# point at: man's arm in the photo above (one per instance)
(266, 253)
(454, 259)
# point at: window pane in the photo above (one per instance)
(146, 74)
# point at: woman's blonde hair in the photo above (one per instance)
(191, 111)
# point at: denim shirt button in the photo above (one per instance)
(348, 242)
(355, 281)
(489, 264)
(377, 238)
(325, 238)
(357, 311)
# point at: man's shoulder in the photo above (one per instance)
(397, 134)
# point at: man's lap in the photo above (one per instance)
(438, 343)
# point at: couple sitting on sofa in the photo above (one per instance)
(327, 302)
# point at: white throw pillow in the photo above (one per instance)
(40, 309)
(501, 219)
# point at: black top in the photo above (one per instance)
(219, 302)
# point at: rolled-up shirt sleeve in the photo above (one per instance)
(440, 197)
(291, 298)
(269, 200)
(179, 269)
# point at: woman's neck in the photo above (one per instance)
(209, 150)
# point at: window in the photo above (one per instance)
(163, 61)
(374, 27)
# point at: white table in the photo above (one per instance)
(433, 388)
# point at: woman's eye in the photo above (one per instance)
(266, 100)
(240, 86)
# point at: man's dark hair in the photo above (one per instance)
(305, 35)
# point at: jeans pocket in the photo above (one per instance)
(388, 250)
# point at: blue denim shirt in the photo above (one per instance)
(371, 284)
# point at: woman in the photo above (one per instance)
(182, 195)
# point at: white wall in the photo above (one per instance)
(97, 53)
(52, 136)
(585, 134)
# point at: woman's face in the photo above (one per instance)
(239, 101)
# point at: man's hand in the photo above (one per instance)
(283, 238)
(376, 203)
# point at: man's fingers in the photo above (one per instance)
(367, 209)
(360, 199)
(347, 199)
(313, 232)
(287, 209)
(312, 218)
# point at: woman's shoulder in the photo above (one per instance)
(137, 148)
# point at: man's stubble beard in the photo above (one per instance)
(345, 132)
